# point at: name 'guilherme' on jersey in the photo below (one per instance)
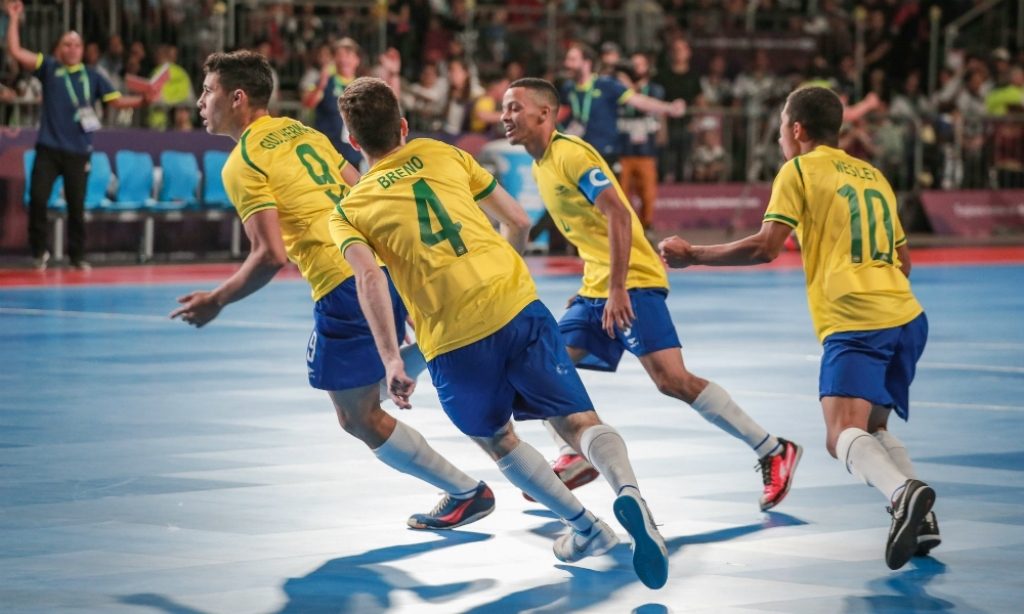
(282, 164)
(417, 210)
(845, 217)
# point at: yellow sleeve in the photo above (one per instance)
(248, 189)
(481, 183)
(787, 201)
(342, 232)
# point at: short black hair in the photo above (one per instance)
(546, 90)
(243, 70)
(371, 112)
(819, 111)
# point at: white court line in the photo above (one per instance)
(914, 403)
(132, 317)
(942, 366)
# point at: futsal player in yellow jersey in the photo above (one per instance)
(873, 330)
(284, 179)
(621, 304)
(493, 349)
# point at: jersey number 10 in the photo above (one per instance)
(871, 197)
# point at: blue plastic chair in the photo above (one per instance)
(214, 194)
(135, 180)
(180, 184)
(96, 187)
(56, 200)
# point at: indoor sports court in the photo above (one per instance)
(151, 467)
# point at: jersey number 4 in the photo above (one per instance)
(427, 202)
(871, 199)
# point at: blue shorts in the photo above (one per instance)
(875, 365)
(652, 329)
(522, 370)
(341, 353)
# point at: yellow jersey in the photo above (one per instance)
(281, 163)
(844, 214)
(417, 210)
(569, 177)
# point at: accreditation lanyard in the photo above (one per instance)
(581, 111)
(71, 88)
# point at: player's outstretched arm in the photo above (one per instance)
(515, 223)
(265, 259)
(756, 249)
(648, 104)
(375, 301)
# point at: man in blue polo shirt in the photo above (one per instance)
(70, 92)
(590, 104)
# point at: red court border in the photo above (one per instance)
(539, 265)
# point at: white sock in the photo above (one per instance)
(563, 447)
(897, 452)
(604, 448)
(718, 408)
(868, 461)
(530, 473)
(407, 451)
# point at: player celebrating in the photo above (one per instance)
(621, 305)
(284, 179)
(493, 348)
(873, 329)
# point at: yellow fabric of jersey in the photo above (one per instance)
(417, 210)
(281, 163)
(844, 213)
(558, 175)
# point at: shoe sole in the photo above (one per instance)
(789, 483)
(649, 561)
(902, 548)
(464, 521)
(925, 544)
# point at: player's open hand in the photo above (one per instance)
(400, 385)
(197, 308)
(618, 312)
(676, 252)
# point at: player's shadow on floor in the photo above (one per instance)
(361, 583)
(587, 587)
(909, 586)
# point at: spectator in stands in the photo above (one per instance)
(679, 81)
(970, 105)
(424, 101)
(176, 90)
(611, 55)
(710, 163)
(1008, 96)
(65, 134)
(486, 113)
(112, 61)
(462, 93)
(264, 48)
(640, 135)
(389, 69)
(715, 86)
(590, 104)
(322, 96)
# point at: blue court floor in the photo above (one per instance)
(149, 467)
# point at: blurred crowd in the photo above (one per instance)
(451, 61)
